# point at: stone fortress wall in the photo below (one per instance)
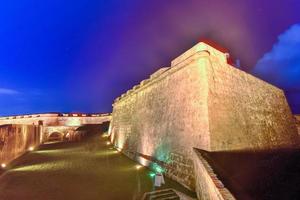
(61, 123)
(17, 139)
(56, 119)
(298, 122)
(18, 133)
(200, 101)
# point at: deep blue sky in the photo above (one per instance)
(78, 56)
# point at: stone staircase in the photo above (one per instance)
(166, 194)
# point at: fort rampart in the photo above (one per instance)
(200, 101)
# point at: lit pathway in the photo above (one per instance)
(90, 170)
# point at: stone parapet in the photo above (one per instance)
(55, 119)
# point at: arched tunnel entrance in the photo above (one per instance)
(55, 137)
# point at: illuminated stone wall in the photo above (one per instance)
(17, 139)
(158, 118)
(68, 133)
(58, 122)
(298, 122)
(56, 119)
(207, 182)
(200, 101)
(246, 112)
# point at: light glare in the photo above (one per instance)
(138, 166)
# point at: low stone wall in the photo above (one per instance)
(208, 186)
(56, 119)
(16, 140)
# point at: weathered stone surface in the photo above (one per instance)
(58, 123)
(56, 119)
(17, 139)
(203, 102)
(298, 122)
(245, 112)
(209, 187)
(16, 132)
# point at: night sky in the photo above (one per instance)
(78, 56)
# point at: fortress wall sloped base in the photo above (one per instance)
(203, 102)
(159, 119)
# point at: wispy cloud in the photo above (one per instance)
(7, 91)
(281, 66)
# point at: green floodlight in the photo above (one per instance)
(158, 169)
(151, 174)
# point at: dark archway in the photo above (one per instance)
(55, 137)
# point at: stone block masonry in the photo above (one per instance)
(18, 133)
(63, 124)
(297, 117)
(16, 140)
(200, 101)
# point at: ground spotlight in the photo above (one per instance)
(31, 148)
(3, 165)
(108, 143)
(138, 166)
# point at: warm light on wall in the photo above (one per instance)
(138, 167)
(73, 122)
(31, 148)
(3, 165)
(143, 161)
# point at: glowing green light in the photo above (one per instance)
(152, 174)
(158, 169)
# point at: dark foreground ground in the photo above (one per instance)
(261, 175)
(87, 170)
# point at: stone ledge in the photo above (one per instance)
(219, 186)
(55, 115)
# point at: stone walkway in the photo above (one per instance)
(90, 170)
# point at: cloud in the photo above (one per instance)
(281, 66)
(7, 91)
